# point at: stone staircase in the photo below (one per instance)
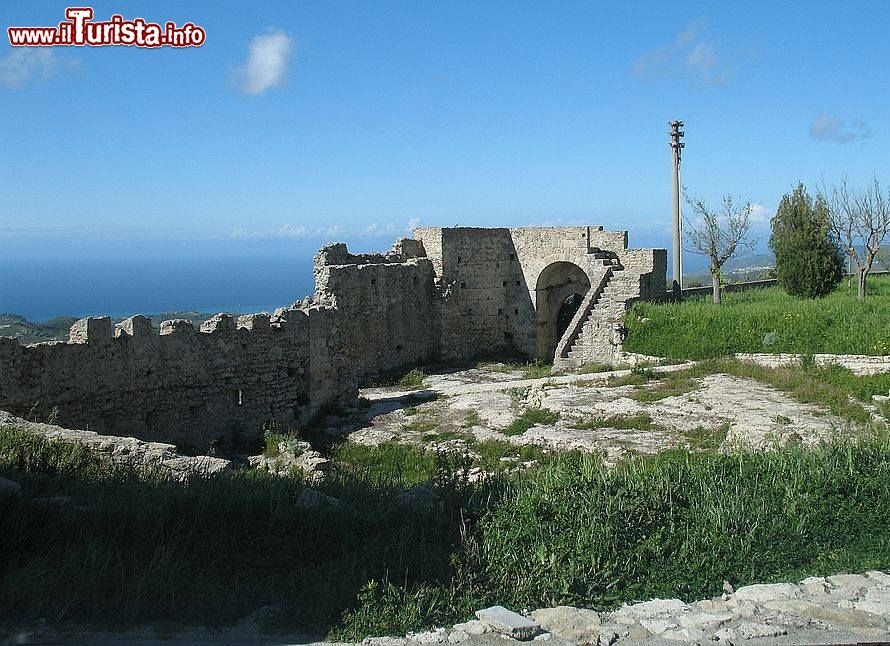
(591, 338)
(609, 258)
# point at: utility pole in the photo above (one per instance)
(677, 148)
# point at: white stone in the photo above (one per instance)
(650, 609)
(876, 601)
(851, 581)
(436, 636)
(749, 630)
(472, 627)
(881, 577)
(508, 623)
(761, 592)
(706, 620)
(657, 626)
(815, 585)
(567, 622)
(690, 634)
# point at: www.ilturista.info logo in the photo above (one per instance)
(79, 30)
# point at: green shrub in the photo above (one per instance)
(809, 261)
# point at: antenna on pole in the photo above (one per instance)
(676, 150)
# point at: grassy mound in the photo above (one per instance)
(764, 320)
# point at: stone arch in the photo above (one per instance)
(554, 285)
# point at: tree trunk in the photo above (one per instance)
(715, 284)
(863, 274)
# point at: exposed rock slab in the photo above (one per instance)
(126, 450)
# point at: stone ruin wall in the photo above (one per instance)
(477, 281)
(458, 293)
(385, 303)
(448, 294)
(215, 387)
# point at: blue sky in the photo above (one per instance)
(300, 122)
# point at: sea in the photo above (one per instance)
(40, 287)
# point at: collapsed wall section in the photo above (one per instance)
(198, 389)
(386, 305)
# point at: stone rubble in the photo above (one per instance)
(293, 455)
(845, 608)
(508, 623)
(859, 364)
(126, 450)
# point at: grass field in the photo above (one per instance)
(132, 548)
(764, 320)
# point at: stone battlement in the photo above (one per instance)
(217, 385)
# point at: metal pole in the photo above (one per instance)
(680, 220)
(676, 148)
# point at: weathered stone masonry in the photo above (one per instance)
(456, 293)
(220, 385)
(450, 293)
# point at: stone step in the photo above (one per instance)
(568, 362)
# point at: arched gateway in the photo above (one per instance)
(559, 291)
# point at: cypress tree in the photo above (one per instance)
(809, 262)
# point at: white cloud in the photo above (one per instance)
(760, 214)
(267, 63)
(829, 127)
(376, 229)
(286, 231)
(302, 232)
(25, 64)
(692, 54)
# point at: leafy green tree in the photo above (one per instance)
(809, 261)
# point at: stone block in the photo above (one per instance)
(508, 623)
(567, 622)
(177, 327)
(219, 324)
(762, 592)
(135, 326)
(255, 322)
(92, 330)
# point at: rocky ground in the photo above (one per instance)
(841, 609)
(454, 409)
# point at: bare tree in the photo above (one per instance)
(718, 234)
(861, 221)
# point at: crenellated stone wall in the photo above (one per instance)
(217, 386)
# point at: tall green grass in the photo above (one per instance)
(136, 548)
(764, 320)
(675, 525)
